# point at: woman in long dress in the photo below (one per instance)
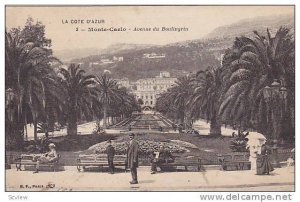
(263, 164)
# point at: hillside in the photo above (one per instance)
(135, 61)
(246, 27)
(178, 60)
(68, 55)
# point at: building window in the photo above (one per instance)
(151, 102)
(146, 97)
(151, 98)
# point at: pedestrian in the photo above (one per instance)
(263, 164)
(132, 158)
(110, 150)
(160, 128)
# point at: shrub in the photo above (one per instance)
(239, 144)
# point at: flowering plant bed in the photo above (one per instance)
(145, 147)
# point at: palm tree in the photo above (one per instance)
(28, 73)
(175, 99)
(164, 105)
(81, 96)
(250, 66)
(124, 106)
(109, 93)
(128, 103)
(205, 100)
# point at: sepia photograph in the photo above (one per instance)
(147, 98)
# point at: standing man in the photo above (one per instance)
(110, 150)
(132, 158)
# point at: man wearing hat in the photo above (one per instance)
(48, 157)
(110, 150)
(132, 158)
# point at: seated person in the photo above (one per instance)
(48, 157)
(162, 156)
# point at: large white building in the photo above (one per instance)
(154, 55)
(148, 89)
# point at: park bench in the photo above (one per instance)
(235, 161)
(183, 162)
(98, 160)
(28, 160)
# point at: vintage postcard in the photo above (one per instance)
(149, 98)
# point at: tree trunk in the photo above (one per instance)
(98, 126)
(72, 124)
(188, 120)
(108, 120)
(26, 132)
(25, 126)
(51, 122)
(181, 116)
(104, 116)
(215, 126)
(72, 128)
(35, 130)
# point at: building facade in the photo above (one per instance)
(148, 89)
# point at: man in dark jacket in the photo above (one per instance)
(110, 150)
(132, 158)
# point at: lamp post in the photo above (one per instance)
(9, 96)
(275, 95)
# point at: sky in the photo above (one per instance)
(199, 20)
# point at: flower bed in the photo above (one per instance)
(145, 147)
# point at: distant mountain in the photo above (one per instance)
(74, 54)
(67, 55)
(247, 26)
(123, 47)
(180, 57)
